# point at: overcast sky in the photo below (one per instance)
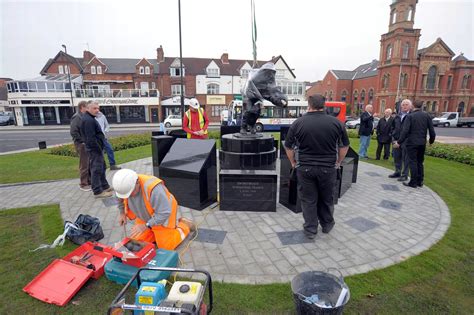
(312, 36)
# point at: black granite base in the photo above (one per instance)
(190, 173)
(160, 146)
(248, 190)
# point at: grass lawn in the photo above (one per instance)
(40, 165)
(437, 281)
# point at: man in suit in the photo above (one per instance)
(400, 158)
(414, 131)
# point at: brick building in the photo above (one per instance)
(136, 90)
(432, 74)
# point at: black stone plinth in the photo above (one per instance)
(288, 184)
(353, 154)
(247, 153)
(248, 190)
(225, 130)
(347, 168)
(160, 145)
(178, 133)
(190, 173)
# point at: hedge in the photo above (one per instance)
(452, 152)
(120, 143)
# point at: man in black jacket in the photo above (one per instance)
(75, 130)
(383, 135)
(94, 140)
(322, 143)
(365, 130)
(414, 133)
(400, 157)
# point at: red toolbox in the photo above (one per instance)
(61, 280)
(132, 252)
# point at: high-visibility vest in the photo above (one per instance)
(144, 179)
(201, 120)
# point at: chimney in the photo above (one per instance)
(160, 54)
(87, 56)
(225, 58)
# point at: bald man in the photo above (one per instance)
(384, 139)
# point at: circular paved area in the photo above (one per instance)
(379, 222)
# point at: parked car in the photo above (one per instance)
(173, 121)
(349, 118)
(6, 118)
(355, 124)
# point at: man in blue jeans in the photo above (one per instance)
(365, 130)
(104, 125)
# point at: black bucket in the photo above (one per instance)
(316, 292)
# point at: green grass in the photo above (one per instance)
(437, 281)
(40, 165)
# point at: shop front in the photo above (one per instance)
(172, 106)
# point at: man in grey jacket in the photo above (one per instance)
(104, 125)
(75, 130)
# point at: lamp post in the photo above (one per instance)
(69, 77)
(181, 60)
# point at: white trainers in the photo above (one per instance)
(85, 188)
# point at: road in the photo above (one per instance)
(13, 140)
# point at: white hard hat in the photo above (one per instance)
(124, 182)
(194, 103)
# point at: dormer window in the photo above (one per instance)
(147, 70)
(244, 73)
(213, 72)
(92, 69)
(280, 73)
(61, 69)
(99, 69)
(66, 69)
(175, 72)
(142, 70)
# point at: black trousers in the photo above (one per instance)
(386, 150)
(401, 161)
(316, 186)
(97, 168)
(416, 156)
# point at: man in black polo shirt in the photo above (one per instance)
(320, 143)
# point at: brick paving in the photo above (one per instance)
(375, 227)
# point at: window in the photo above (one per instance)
(406, 50)
(461, 107)
(382, 106)
(213, 73)
(356, 95)
(466, 82)
(386, 81)
(176, 89)
(212, 88)
(371, 96)
(434, 106)
(147, 70)
(388, 54)
(362, 96)
(61, 69)
(343, 96)
(244, 73)
(393, 16)
(141, 70)
(431, 79)
(280, 73)
(217, 109)
(31, 86)
(403, 80)
(153, 85)
(175, 72)
(330, 95)
(66, 69)
(92, 69)
(445, 106)
(450, 82)
(410, 14)
(99, 69)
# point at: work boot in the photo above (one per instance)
(189, 223)
(104, 194)
(115, 168)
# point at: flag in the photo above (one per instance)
(254, 33)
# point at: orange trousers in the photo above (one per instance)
(164, 237)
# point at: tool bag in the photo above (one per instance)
(85, 228)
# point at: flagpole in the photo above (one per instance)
(254, 33)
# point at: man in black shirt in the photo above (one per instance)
(94, 140)
(414, 136)
(75, 130)
(321, 143)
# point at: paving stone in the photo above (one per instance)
(211, 236)
(391, 205)
(390, 187)
(361, 224)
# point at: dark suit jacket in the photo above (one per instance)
(415, 127)
(384, 128)
(366, 124)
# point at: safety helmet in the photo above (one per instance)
(124, 182)
(194, 103)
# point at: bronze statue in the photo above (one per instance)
(260, 86)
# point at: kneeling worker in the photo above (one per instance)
(146, 200)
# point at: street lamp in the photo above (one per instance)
(69, 76)
(181, 60)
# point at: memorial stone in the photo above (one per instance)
(160, 145)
